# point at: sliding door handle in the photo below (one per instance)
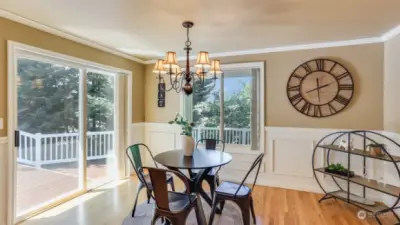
(16, 138)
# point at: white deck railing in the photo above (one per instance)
(40, 149)
(240, 136)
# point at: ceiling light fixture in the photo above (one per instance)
(185, 79)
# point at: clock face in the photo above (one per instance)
(320, 88)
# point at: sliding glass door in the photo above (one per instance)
(101, 161)
(65, 133)
(230, 108)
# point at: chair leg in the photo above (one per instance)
(212, 186)
(148, 196)
(172, 184)
(213, 210)
(244, 205)
(137, 196)
(222, 204)
(252, 210)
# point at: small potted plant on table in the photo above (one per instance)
(186, 134)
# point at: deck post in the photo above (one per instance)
(38, 150)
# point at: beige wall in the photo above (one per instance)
(392, 85)
(364, 112)
(10, 30)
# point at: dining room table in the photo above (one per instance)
(203, 161)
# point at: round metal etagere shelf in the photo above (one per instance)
(366, 183)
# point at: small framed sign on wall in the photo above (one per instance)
(161, 95)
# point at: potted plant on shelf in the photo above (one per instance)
(339, 169)
(376, 149)
(186, 134)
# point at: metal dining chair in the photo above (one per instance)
(212, 177)
(171, 206)
(134, 153)
(238, 193)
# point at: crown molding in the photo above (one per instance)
(63, 34)
(391, 33)
(289, 48)
(383, 38)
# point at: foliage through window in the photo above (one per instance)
(239, 106)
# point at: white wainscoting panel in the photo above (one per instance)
(136, 136)
(294, 152)
(288, 157)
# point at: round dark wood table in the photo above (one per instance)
(202, 160)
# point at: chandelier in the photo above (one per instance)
(184, 80)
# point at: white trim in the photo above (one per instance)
(58, 58)
(3, 140)
(391, 34)
(288, 48)
(63, 34)
(12, 123)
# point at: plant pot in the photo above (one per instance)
(376, 151)
(187, 145)
(342, 173)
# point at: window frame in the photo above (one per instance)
(15, 51)
(187, 103)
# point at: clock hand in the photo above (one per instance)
(319, 99)
(326, 85)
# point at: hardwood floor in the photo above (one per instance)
(109, 205)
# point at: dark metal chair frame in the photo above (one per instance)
(163, 198)
(245, 202)
(211, 178)
(142, 176)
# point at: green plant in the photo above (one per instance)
(187, 127)
(337, 167)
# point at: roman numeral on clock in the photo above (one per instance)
(320, 64)
(342, 100)
(317, 111)
(297, 76)
(306, 67)
(343, 75)
(295, 97)
(306, 108)
(331, 108)
(345, 87)
(294, 88)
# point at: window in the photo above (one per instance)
(231, 108)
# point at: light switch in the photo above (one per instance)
(1, 123)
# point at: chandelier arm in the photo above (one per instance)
(180, 86)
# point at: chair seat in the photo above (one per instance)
(179, 201)
(229, 188)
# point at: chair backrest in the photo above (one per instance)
(134, 154)
(159, 182)
(211, 144)
(256, 164)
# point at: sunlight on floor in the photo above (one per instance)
(79, 200)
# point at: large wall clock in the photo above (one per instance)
(320, 88)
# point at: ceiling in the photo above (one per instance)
(147, 28)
